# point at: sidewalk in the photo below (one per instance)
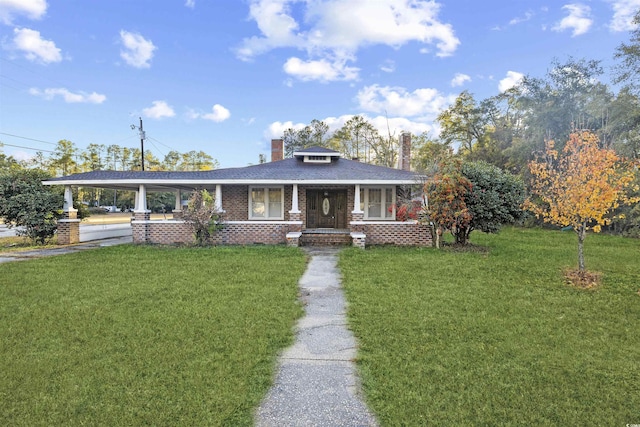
(316, 384)
(39, 253)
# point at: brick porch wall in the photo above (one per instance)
(394, 233)
(245, 233)
(249, 233)
(275, 233)
(169, 232)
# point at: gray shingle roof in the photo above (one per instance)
(315, 149)
(291, 170)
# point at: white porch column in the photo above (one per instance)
(141, 199)
(356, 200)
(68, 200)
(218, 200)
(294, 200)
(178, 206)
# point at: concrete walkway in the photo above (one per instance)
(44, 252)
(316, 384)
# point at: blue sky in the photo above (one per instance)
(226, 76)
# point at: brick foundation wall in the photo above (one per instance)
(395, 233)
(249, 233)
(169, 232)
(275, 233)
(179, 232)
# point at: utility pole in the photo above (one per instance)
(142, 144)
(115, 192)
(142, 138)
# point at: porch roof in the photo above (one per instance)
(287, 171)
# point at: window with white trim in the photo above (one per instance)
(378, 202)
(266, 203)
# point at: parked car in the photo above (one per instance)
(111, 208)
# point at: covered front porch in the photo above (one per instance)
(292, 214)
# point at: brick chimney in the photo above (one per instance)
(404, 160)
(277, 150)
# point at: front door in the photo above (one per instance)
(326, 209)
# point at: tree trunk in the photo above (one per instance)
(438, 234)
(462, 235)
(582, 231)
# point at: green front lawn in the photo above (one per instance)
(497, 338)
(134, 335)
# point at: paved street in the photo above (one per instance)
(6, 231)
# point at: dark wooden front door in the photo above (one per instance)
(326, 209)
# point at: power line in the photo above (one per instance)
(124, 139)
(156, 147)
(14, 80)
(41, 75)
(27, 148)
(161, 143)
(30, 139)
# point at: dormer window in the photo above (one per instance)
(317, 159)
(316, 155)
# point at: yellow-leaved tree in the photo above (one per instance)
(580, 186)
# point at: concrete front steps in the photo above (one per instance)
(325, 237)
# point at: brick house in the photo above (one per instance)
(315, 197)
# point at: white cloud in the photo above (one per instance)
(276, 129)
(623, 13)
(32, 9)
(321, 70)
(578, 20)
(459, 79)
(275, 24)
(350, 25)
(389, 66)
(397, 125)
(158, 110)
(190, 3)
(331, 32)
(398, 101)
(383, 124)
(519, 19)
(218, 114)
(512, 79)
(138, 51)
(68, 96)
(35, 48)
(20, 155)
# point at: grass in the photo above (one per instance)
(21, 243)
(133, 335)
(498, 337)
